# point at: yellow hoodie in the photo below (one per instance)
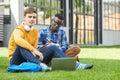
(25, 39)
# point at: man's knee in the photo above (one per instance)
(22, 50)
(76, 49)
(19, 47)
(54, 47)
(73, 51)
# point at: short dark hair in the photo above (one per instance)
(60, 16)
(29, 10)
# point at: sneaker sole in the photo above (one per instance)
(89, 67)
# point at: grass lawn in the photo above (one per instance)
(106, 62)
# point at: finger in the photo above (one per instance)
(41, 58)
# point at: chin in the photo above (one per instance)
(31, 25)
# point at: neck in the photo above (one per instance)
(51, 30)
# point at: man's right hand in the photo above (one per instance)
(39, 54)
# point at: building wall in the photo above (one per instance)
(7, 33)
(111, 37)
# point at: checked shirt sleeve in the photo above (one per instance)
(40, 39)
(64, 43)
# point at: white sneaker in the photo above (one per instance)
(44, 67)
(83, 66)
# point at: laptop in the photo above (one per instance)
(63, 63)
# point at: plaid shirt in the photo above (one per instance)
(59, 37)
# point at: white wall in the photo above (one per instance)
(17, 10)
(7, 33)
(111, 37)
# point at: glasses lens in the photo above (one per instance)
(58, 24)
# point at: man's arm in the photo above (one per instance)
(20, 41)
(40, 39)
(36, 42)
(64, 42)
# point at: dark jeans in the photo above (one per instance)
(22, 55)
(52, 51)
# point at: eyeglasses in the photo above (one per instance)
(59, 23)
(56, 25)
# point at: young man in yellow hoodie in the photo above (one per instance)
(23, 42)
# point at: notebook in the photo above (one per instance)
(63, 63)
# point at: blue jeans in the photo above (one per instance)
(22, 55)
(52, 51)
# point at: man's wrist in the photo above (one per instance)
(32, 50)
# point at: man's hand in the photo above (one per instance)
(39, 54)
(50, 44)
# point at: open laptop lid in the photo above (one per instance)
(63, 63)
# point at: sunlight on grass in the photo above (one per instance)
(94, 53)
(100, 53)
(3, 51)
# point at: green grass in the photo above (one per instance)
(106, 67)
(114, 46)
